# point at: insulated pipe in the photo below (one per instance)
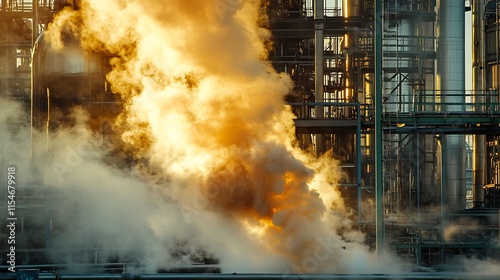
(451, 83)
(318, 69)
(478, 162)
(479, 159)
(455, 177)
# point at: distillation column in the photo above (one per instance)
(451, 86)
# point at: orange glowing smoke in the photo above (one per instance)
(205, 112)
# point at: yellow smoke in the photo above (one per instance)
(205, 110)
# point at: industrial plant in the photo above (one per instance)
(384, 134)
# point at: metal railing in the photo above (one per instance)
(332, 110)
(436, 103)
(444, 102)
(25, 6)
(53, 268)
(16, 5)
(405, 43)
(409, 6)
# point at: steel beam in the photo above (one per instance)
(358, 159)
(318, 68)
(379, 187)
(479, 156)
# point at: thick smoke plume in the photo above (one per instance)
(215, 173)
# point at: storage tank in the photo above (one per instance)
(69, 77)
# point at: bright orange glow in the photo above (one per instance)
(205, 112)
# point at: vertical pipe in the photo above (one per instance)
(32, 97)
(35, 22)
(369, 143)
(47, 221)
(478, 162)
(451, 82)
(444, 177)
(34, 35)
(379, 188)
(47, 124)
(496, 84)
(358, 159)
(417, 175)
(479, 159)
(318, 68)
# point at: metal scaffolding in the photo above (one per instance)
(403, 145)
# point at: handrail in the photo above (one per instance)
(439, 103)
(445, 101)
(26, 6)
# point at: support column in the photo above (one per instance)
(318, 69)
(379, 187)
(34, 26)
(479, 145)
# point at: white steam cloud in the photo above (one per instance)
(216, 172)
